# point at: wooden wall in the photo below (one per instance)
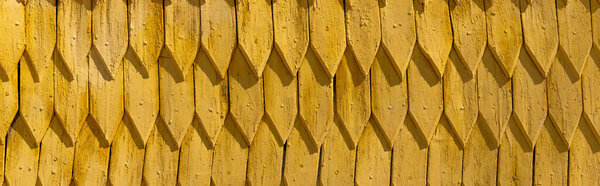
(300, 92)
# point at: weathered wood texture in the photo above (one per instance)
(300, 92)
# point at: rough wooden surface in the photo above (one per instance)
(540, 31)
(551, 157)
(425, 95)
(574, 32)
(504, 32)
(495, 97)
(529, 98)
(290, 23)
(281, 92)
(434, 32)
(591, 101)
(327, 33)
(255, 33)
(460, 98)
(109, 28)
(409, 156)
(352, 98)
(564, 98)
(37, 67)
(300, 92)
(444, 166)
(338, 158)
(398, 36)
(515, 158)
(388, 97)
(469, 26)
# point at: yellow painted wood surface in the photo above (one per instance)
(265, 158)
(176, 98)
(162, 155)
(494, 92)
(246, 97)
(255, 33)
(56, 156)
(281, 97)
(21, 154)
(504, 32)
(594, 6)
(126, 156)
(352, 98)
(584, 156)
(13, 24)
(182, 33)
(301, 158)
(540, 32)
(230, 157)
(444, 164)
(460, 98)
(210, 96)
(388, 97)
(73, 42)
(409, 156)
(315, 99)
(299, 92)
(434, 32)
(290, 25)
(398, 36)
(564, 98)
(425, 95)
(338, 158)
(551, 157)
(469, 26)
(327, 33)
(515, 158)
(363, 31)
(218, 32)
(373, 157)
(574, 32)
(109, 30)
(90, 165)
(37, 67)
(529, 98)
(195, 157)
(591, 101)
(141, 65)
(480, 157)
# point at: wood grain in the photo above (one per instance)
(551, 157)
(434, 32)
(398, 35)
(425, 95)
(565, 104)
(495, 97)
(290, 24)
(469, 30)
(529, 98)
(540, 32)
(255, 33)
(574, 32)
(218, 32)
(36, 100)
(460, 99)
(363, 31)
(388, 97)
(327, 33)
(504, 32)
